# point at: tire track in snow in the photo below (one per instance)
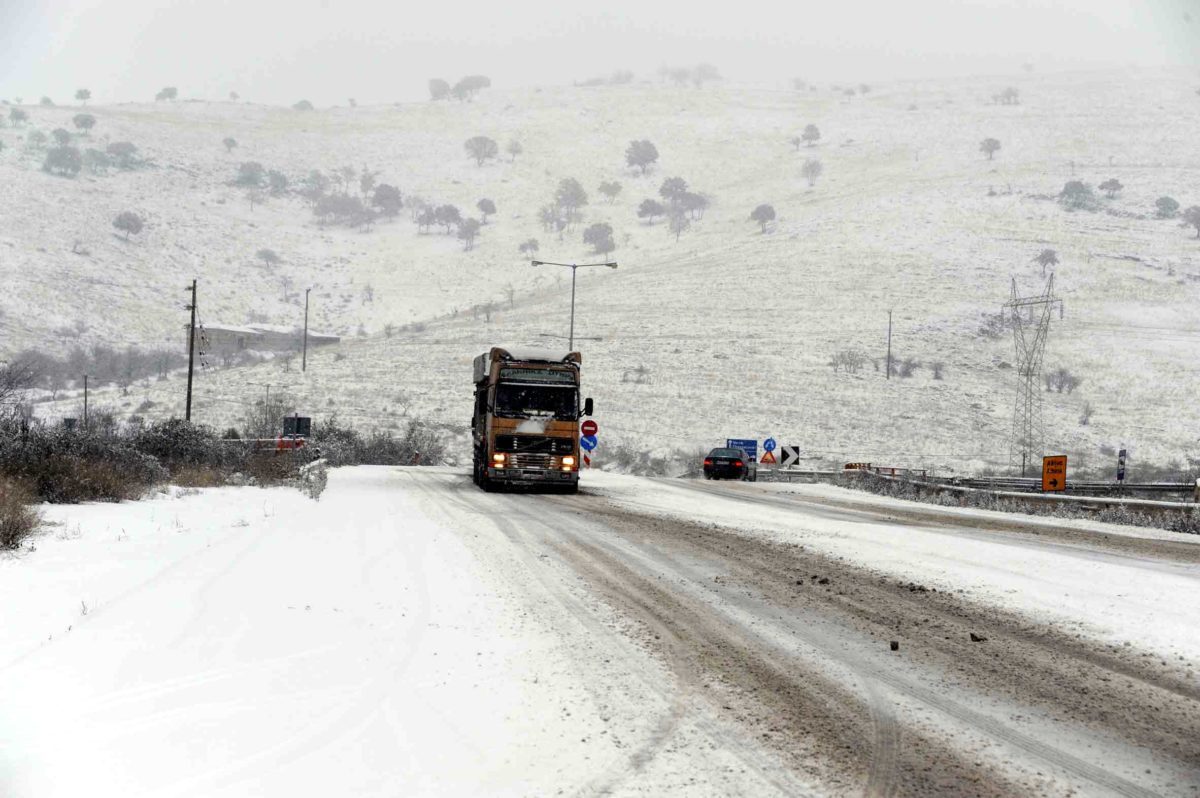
(768, 559)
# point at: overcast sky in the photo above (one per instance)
(329, 50)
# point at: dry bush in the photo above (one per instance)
(199, 476)
(273, 468)
(18, 519)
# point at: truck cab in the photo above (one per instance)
(525, 424)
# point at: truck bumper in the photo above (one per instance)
(532, 476)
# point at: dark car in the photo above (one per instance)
(729, 464)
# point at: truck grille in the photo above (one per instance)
(529, 461)
(534, 444)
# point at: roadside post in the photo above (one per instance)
(1054, 473)
(768, 457)
(588, 443)
(588, 440)
(1121, 466)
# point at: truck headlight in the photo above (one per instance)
(498, 459)
(568, 460)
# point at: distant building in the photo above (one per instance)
(225, 339)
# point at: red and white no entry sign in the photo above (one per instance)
(589, 427)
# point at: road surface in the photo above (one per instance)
(412, 635)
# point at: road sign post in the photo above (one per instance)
(1054, 473)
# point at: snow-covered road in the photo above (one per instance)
(411, 635)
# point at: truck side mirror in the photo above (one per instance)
(587, 406)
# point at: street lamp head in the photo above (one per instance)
(535, 263)
(611, 265)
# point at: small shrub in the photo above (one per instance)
(1077, 195)
(128, 222)
(18, 520)
(1166, 208)
(600, 236)
(641, 154)
(764, 215)
(848, 360)
(251, 174)
(481, 148)
(1111, 187)
(124, 154)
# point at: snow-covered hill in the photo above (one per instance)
(726, 331)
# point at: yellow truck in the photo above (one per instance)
(525, 427)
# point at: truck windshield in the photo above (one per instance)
(536, 401)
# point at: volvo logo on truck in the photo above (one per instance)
(525, 428)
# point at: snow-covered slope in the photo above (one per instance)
(732, 329)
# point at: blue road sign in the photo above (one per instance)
(588, 442)
(769, 445)
(747, 445)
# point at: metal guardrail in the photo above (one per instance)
(1082, 501)
(1033, 485)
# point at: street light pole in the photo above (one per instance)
(573, 267)
(304, 357)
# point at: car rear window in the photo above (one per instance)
(726, 453)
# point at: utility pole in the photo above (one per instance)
(304, 357)
(1027, 441)
(85, 401)
(573, 267)
(187, 414)
(889, 351)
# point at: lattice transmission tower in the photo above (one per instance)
(1030, 320)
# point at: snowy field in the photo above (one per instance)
(725, 333)
(409, 634)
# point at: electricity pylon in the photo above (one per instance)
(1030, 320)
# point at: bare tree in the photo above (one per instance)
(486, 207)
(989, 147)
(83, 95)
(1111, 187)
(513, 148)
(678, 221)
(230, 142)
(811, 135)
(811, 170)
